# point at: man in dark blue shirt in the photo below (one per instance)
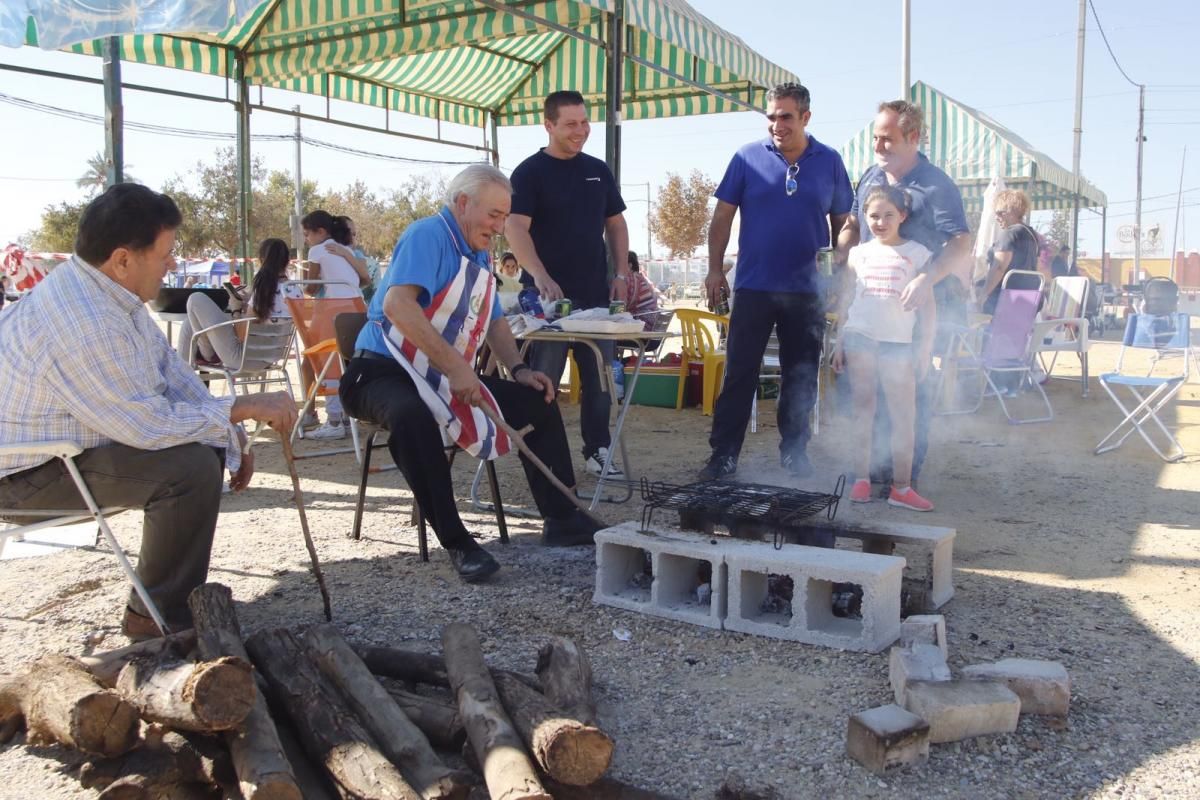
(564, 204)
(936, 221)
(792, 191)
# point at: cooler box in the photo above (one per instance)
(656, 386)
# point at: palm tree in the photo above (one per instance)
(96, 177)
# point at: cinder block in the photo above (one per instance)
(935, 543)
(813, 571)
(961, 709)
(677, 560)
(1043, 686)
(887, 736)
(920, 662)
(924, 629)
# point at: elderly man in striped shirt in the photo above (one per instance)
(91, 366)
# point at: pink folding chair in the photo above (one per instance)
(1007, 350)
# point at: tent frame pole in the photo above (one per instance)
(614, 49)
(245, 188)
(114, 114)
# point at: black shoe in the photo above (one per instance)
(797, 464)
(473, 563)
(718, 467)
(577, 530)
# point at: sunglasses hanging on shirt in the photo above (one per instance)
(789, 184)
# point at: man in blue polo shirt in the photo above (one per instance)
(936, 221)
(376, 387)
(792, 192)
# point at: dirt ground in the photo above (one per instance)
(1061, 554)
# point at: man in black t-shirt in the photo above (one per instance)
(1060, 266)
(565, 203)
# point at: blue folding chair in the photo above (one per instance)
(1170, 333)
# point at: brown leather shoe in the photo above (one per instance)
(139, 627)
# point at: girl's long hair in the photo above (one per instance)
(273, 264)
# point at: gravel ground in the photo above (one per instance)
(1090, 561)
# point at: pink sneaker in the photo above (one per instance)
(909, 499)
(861, 491)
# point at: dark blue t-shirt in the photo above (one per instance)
(568, 201)
(780, 235)
(937, 208)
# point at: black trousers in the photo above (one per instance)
(381, 391)
(180, 490)
(799, 322)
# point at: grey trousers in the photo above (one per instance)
(180, 491)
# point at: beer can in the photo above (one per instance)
(616, 307)
(562, 308)
(825, 261)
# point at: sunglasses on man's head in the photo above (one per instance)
(789, 183)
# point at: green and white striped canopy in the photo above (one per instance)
(460, 60)
(971, 148)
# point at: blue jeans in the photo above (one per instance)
(799, 322)
(595, 403)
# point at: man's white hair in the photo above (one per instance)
(474, 178)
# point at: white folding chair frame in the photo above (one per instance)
(66, 451)
(1147, 408)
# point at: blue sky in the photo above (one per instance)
(1013, 60)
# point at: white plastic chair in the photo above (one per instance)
(66, 451)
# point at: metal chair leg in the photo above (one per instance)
(362, 488)
(422, 533)
(494, 485)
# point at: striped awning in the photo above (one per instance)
(461, 60)
(971, 148)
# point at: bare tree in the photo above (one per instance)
(681, 215)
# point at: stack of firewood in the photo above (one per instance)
(293, 715)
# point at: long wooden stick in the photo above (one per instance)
(308, 542)
(516, 436)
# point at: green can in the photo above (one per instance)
(562, 308)
(616, 307)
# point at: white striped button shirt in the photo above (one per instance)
(82, 360)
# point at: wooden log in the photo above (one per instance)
(165, 762)
(414, 667)
(107, 665)
(314, 781)
(262, 768)
(507, 770)
(325, 724)
(603, 789)
(399, 738)
(568, 750)
(438, 719)
(62, 702)
(566, 678)
(206, 696)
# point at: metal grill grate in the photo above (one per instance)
(729, 502)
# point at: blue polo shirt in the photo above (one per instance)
(428, 256)
(780, 235)
(937, 208)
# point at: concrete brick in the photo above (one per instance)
(887, 736)
(676, 560)
(1043, 686)
(936, 546)
(813, 571)
(924, 629)
(920, 662)
(961, 709)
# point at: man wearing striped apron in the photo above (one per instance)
(412, 370)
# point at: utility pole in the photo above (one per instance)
(298, 191)
(1178, 208)
(1137, 207)
(905, 48)
(1078, 130)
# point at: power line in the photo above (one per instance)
(1100, 27)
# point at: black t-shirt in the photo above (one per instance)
(1020, 241)
(568, 201)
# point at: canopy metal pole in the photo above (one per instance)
(1137, 203)
(298, 191)
(1103, 246)
(1178, 208)
(245, 200)
(905, 48)
(114, 114)
(1078, 123)
(495, 139)
(612, 111)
